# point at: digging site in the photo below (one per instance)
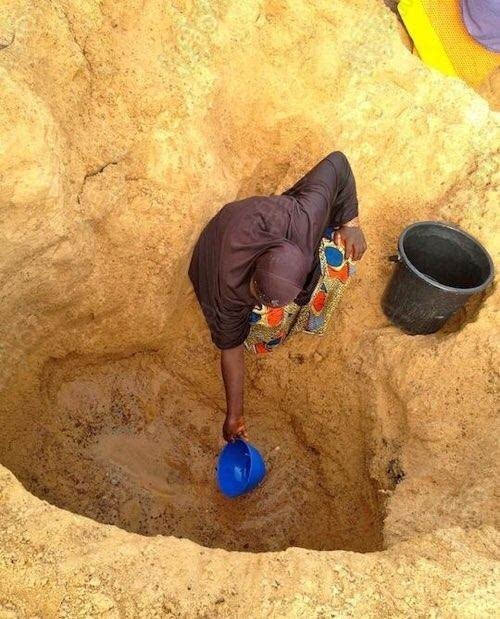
(124, 128)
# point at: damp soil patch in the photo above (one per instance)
(123, 442)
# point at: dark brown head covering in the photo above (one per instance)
(280, 273)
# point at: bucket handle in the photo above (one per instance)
(394, 258)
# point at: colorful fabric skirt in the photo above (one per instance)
(270, 326)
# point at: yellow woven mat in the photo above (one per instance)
(443, 42)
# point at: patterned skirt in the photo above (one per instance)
(270, 326)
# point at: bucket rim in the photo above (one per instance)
(433, 282)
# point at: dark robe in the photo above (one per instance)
(224, 257)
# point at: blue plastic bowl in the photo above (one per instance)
(240, 468)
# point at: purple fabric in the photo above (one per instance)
(288, 228)
(482, 20)
(280, 274)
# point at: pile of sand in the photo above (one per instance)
(123, 127)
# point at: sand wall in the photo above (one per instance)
(123, 128)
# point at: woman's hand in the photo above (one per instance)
(353, 239)
(233, 428)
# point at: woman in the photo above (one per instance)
(269, 251)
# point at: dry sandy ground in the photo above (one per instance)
(123, 127)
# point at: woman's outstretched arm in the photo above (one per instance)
(233, 374)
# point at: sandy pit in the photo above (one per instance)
(123, 443)
(123, 128)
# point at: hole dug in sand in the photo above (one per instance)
(123, 442)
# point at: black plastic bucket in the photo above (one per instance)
(438, 268)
